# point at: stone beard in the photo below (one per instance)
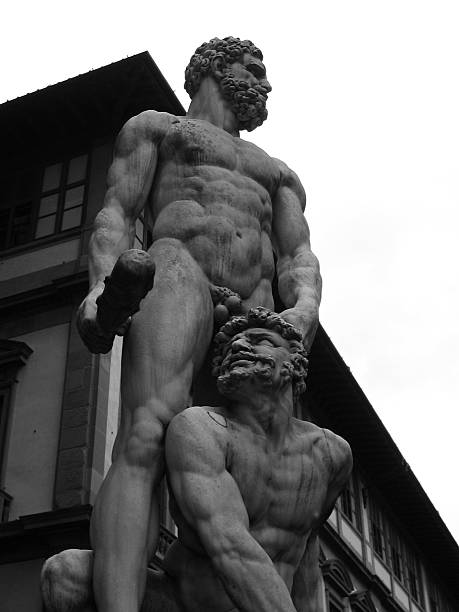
(248, 103)
(239, 367)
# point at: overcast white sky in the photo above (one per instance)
(364, 108)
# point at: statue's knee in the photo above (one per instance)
(66, 581)
(145, 444)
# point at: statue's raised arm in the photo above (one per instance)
(299, 280)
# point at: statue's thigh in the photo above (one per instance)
(170, 335)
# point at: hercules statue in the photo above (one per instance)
(221, 208)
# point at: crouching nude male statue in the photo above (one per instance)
(250, 486)
(220, 207)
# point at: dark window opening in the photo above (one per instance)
(378, 532)
(350, 504)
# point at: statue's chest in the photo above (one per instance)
(197, 145)
(281, 489)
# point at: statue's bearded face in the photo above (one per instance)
(256, 359)
(245, 86)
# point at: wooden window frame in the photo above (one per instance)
(61, 190)
(37, 193)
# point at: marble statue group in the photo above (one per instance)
(249, 483)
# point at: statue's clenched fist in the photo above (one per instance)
(109, 306)
(96, 340)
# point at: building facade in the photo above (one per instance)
(384, 546)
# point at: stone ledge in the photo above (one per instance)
(45, 534)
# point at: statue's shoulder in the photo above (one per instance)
(309, 432)
(282, 166)
(203, 419)
(339, 451)
(307, 427)
(258, 153)
(149, 123)
(287, 177)
(199, 432)
(332, 447)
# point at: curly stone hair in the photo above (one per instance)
(229, 50)
(265, 318)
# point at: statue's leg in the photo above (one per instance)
(66, 585)
(66, 582)
(165, 346)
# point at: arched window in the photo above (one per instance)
(338, 584)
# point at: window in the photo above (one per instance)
(167, 529)
(15, 225)
(334, 605)
(433, 605)
(165, 517)
(62, 197)
(405, 566)
(396, 555)
(17, 194)
(38, 203)
(378, 533)
(434, 598)
(143, 235)
(338, 584)
(413, 577)
(350, 503)
(438, 601)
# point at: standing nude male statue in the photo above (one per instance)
(250, 486)
(220, 207)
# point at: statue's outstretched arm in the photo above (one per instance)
(300, 283)
(211, 503)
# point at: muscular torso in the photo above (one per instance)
(284, 492)
(213, 192)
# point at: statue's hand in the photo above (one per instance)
(109, 306)
(95, 338)
(305, 322)
(297, 318)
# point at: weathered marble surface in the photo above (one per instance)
(250, 486)
(220, 208)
